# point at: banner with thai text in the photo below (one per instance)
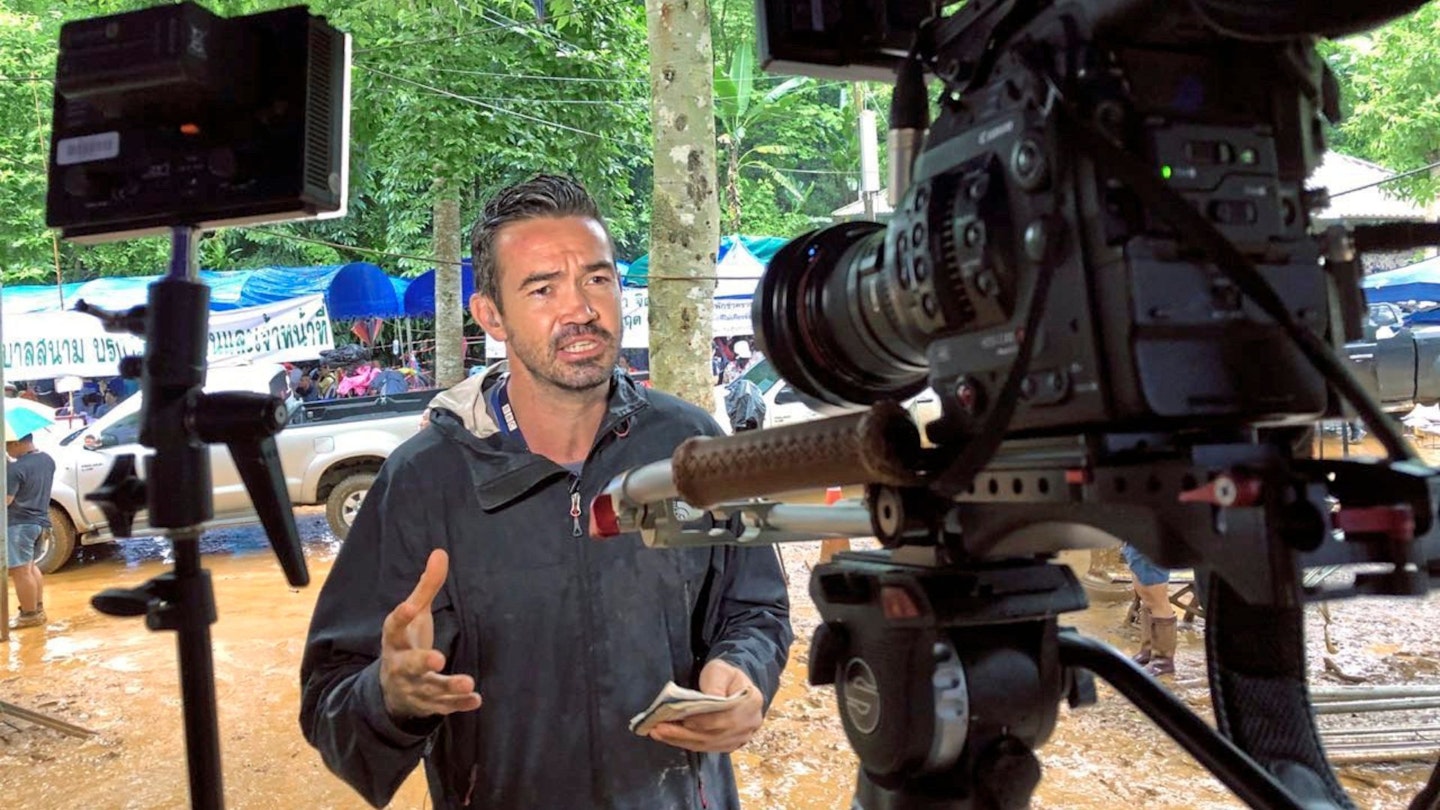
(43, 346)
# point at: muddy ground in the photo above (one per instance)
(114, 677)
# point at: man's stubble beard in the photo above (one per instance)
(591, 374)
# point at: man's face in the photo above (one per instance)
(560, 292)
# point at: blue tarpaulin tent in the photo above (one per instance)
(358, 290)
(225, 288)
(114, 292)
(1417, 282)
(123, 292)
(355, 290)
(25, 298)
(402, 286)
(761, 247)
(420, 297)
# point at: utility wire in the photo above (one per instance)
(490, 29)
(603, 79)
(1391, 179)
(339, 246)
(492, 107)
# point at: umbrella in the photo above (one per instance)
(23, 417)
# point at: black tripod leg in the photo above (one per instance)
(1256, 659)
(1429, 797)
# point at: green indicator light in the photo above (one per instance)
(1165, 172)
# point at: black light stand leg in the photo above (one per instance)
(176, 348)
(180, 421)
(195, 612)
(178, 493)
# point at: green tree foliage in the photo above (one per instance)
(479, 94)
(1390, 85)
(792, 142)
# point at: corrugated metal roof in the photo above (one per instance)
(1341, 173)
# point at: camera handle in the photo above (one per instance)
(178, 421)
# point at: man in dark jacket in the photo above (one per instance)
(469, 571)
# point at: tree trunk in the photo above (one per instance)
(685, 222)
(449, 309)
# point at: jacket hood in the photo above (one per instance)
(466, 399)
(503, 471)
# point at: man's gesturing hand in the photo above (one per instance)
(720, 732)
(410, 676)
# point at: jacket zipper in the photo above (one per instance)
(699, 779)
(575, 512)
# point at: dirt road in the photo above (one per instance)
(115, 677)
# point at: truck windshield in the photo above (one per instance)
(763, 374)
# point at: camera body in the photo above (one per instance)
(1140, 332)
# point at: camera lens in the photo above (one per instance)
(827, 315)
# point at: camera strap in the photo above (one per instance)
(1255, 655)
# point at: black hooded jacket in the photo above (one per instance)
(567, 637)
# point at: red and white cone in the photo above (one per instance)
(829, 548)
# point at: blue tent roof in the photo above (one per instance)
(351, 290)
(420, 297)
(225, 287)
(402, 286)
(761, 247)
(1416, 282)
(26, 298)
(355, 290)
(114, 292)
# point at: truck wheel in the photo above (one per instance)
(57, 544)
(344, 502)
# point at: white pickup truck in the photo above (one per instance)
(330, 452)
(783, 404)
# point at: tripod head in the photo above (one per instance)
(179, 420)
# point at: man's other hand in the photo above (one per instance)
(410, 667)
(720, 732)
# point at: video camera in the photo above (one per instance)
(1102, 260)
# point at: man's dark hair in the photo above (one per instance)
(542, 196)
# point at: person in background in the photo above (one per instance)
(11, 391)
(28, 478)
(110, 401)
(305, 389)
(325, 381)
(1158, 636)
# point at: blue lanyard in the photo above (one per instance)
(503, 413)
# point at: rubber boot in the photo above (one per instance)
(1147, 636)
(1163, 641)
